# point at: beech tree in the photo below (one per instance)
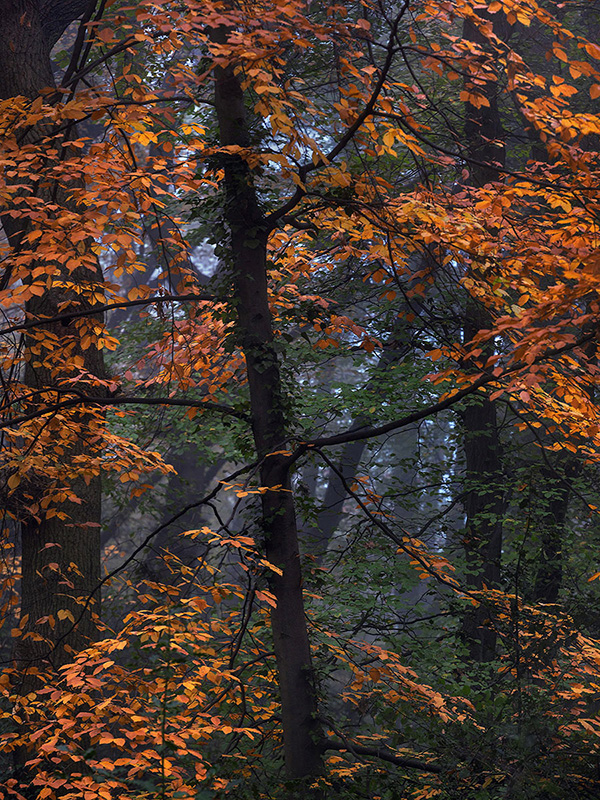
(60, 551)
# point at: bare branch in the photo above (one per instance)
(83, 399)
(305, 169)
(383, 754)
(89, 312)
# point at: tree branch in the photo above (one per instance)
(382, 754)
(368, 432)
(84, 399)
(57, 15)
(305, 169)
(89, 312)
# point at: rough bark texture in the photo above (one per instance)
(24, 50)
(57, 15)
(60, 559)
(249, 273)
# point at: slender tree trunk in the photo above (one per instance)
(484, 508)
(484, 503)
(548, 579)
(190, 481)
(397, 346)
(248, 239)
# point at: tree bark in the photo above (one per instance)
(57, 15)
(484, 508)
(557, 484)
(60, 558)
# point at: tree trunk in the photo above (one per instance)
(484, 507)
(60, 558)
(248, 240)
(557, 487)
(484, 503)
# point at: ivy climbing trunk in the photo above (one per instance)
(248, 264)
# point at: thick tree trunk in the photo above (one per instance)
(248, 237)
(60, 558)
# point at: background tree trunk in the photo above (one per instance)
(484, 503)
